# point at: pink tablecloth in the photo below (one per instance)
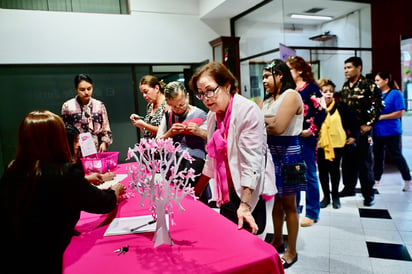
(205, 242)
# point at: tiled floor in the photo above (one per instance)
(358, 239)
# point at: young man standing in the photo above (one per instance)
(363, 98)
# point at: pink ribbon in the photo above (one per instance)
(217, 149)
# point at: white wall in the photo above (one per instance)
(354, 30)
(154, 32)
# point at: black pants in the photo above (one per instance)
(229, 210)
(393, 144)
(329, 170)
(357, 162)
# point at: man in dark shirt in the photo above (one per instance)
(363, 98)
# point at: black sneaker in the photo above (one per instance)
(324, 203)
(369, 202)
(336, 203)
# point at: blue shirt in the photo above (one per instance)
(393, 101)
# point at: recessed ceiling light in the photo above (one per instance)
(311, 17)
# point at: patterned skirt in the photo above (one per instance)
(286, 149)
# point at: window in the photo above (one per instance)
(92, 6)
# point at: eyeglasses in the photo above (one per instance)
(179, 106)
(207, 93)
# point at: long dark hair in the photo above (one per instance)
(72, 135)
(279, 67)
(42, 139)
(387, 76)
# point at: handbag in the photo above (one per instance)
(293, 173)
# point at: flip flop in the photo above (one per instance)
(286, 264)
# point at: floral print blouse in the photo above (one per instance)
(154, 119)
(88, 118)
(314, 113)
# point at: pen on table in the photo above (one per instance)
(143, 225)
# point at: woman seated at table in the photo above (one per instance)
(74, 145)
(236, 148)
(41, 196)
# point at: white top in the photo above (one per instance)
(271, 107)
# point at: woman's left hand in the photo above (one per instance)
(244, 214)
(191, 128)
(306, 133)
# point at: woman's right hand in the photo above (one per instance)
(244, 214)
(137, 122)
(134, 117)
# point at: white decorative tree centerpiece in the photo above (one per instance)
(157, 176)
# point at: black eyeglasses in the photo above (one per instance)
(207, 93)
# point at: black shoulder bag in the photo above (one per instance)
(292, 173)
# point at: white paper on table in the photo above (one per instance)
(122, 226)
(87, 145)
(116, 179)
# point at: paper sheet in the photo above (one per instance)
(116, 179)
(122, 226)
(87, 145)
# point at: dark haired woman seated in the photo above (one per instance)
(41, 196)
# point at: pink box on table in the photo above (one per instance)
(100, 162)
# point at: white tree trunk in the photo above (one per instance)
(162, 235)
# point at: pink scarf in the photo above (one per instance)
(217, 149)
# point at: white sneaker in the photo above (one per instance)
(406, 186)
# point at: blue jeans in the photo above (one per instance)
(309, 145)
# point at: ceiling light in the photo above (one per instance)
(312, 17)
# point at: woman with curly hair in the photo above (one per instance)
(314, 115)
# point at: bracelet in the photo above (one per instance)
(246, 203)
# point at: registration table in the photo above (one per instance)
(204, 242)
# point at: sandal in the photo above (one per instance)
(286, 264)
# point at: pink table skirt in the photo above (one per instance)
(204, 241)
